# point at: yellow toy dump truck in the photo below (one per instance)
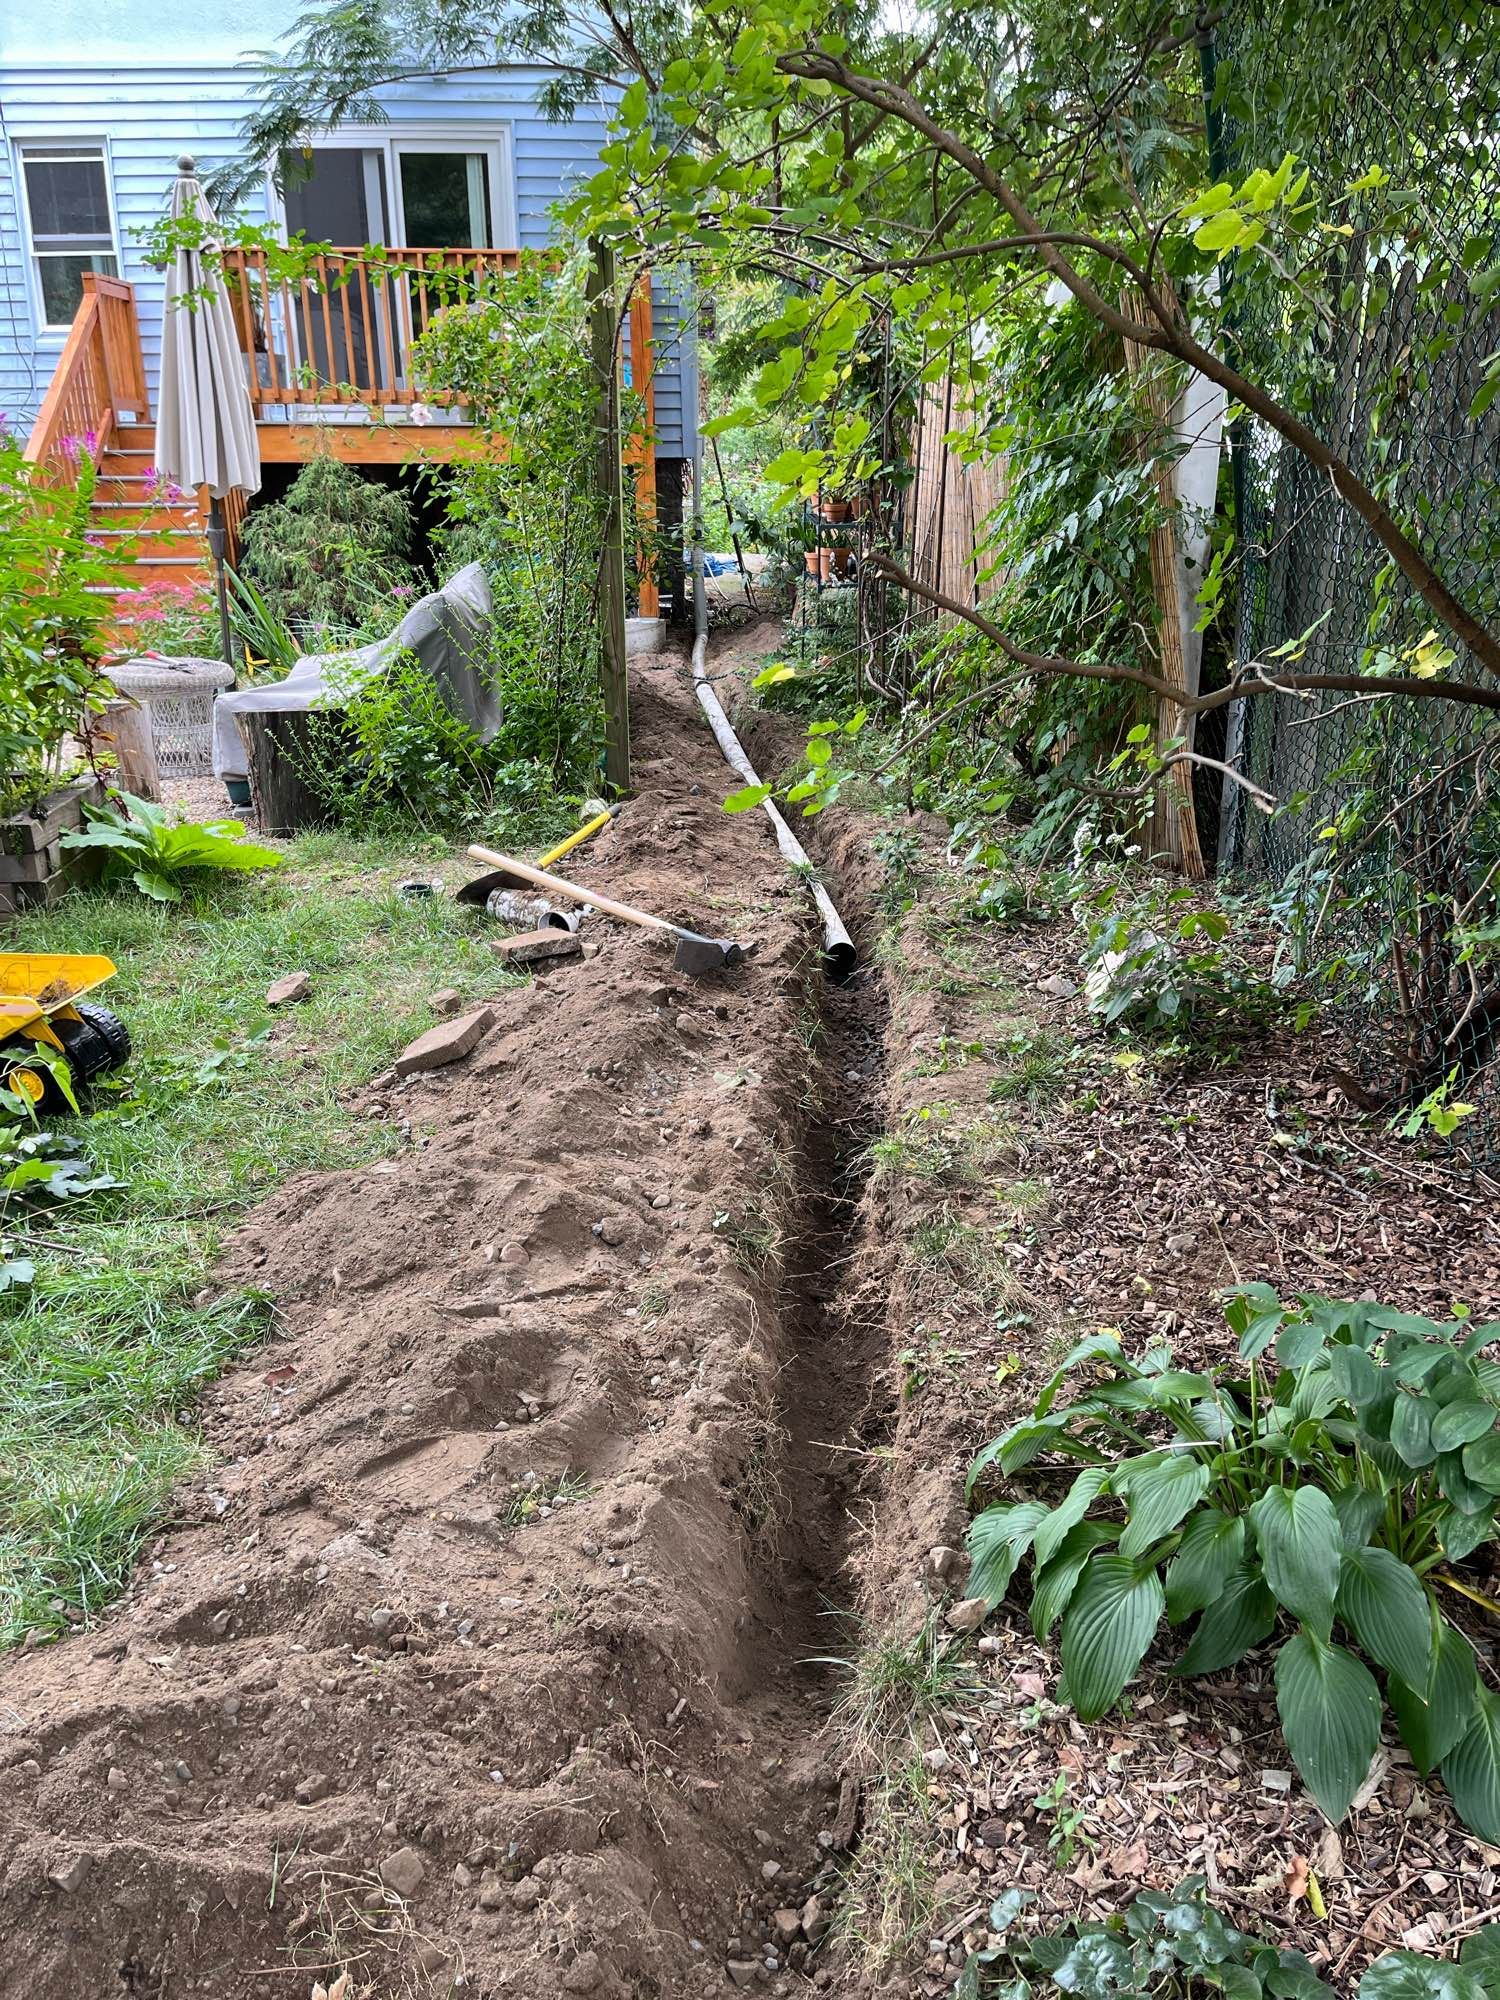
(51, 1039)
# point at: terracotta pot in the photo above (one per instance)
(837, 510)
(811, 559)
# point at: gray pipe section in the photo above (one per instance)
(839, 955)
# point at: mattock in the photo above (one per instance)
(695, 954)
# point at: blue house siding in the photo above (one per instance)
(147, 114)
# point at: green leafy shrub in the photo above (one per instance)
(1334, 1488)
(161, 856)
(323, 556)
(1155, 962)
(517, 355)
(394, 753)
(52, 613)
(1179, 1947)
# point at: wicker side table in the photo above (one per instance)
(178, 696)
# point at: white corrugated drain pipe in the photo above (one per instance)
(839, 955)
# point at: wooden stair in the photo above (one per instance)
(162, 532)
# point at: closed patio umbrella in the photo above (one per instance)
(205, 427)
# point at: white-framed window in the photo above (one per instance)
(70, 223)
(423, 187)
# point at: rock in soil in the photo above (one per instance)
(403, 1871)
(69, 1875)
(286, 991)
(969, 1614)
(449, 1042)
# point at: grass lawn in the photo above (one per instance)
(102, 1355)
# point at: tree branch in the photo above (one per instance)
(1249, 682)
(1171, 334)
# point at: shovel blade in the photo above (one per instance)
(479, 891)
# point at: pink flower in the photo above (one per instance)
(159, 487)
(401, 590)
(420, 414)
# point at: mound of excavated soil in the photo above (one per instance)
(466, 1667)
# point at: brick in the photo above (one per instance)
(537, 947)
(448, 1042)
(447, 1000)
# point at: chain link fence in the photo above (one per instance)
(1412, 938)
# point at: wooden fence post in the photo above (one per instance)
(1174, 822)
(640, 452)
(608, 473)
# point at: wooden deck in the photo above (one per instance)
(368, 444)
(328, 367)
(342, 336)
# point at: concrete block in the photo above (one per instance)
(537, 947)
(644, 635)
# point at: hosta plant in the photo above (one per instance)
(143, 844)
(1179, 1946)
(1322, 1498)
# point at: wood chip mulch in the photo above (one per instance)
(1131, 1195)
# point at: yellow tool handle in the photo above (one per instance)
(575, 839)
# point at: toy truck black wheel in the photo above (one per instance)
(97, 1041)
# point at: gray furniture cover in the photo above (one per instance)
(445, 632)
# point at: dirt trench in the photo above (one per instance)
(481, 1659)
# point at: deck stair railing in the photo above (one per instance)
(99, 382)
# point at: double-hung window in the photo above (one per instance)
(70, 224)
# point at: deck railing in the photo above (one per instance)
(99, 381)
(343, 332)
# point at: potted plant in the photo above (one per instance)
(56, 588)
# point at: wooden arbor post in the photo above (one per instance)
(610, 483)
